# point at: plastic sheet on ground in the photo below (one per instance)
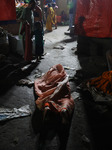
(53, 91)
(8, 113)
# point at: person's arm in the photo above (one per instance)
(39, 10)
(22, 17)
(40, 14)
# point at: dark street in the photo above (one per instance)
(89, 127)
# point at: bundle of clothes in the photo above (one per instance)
(53, 92)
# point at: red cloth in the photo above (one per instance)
(53, 91)
(28, 43)
(7, 10)
(93, 18)
(58, 19)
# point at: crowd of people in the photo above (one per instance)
(31, 21)
(51, 17)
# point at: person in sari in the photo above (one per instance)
(27, 17)
(50, 18)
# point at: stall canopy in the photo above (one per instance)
(7, 11)
(93, 18)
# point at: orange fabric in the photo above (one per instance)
(103, 83)
(58, 19)
(52, 92)
(93, 18)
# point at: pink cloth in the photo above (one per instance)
(53, 91)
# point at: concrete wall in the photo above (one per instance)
(62, 5)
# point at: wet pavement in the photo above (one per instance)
(30, 133)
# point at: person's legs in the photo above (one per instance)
(70, 21)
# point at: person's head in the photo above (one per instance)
(31, 4)
(53, 4)
(49, 5)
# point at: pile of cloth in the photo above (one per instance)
(97, 94)
(103, 83)
(53, 91)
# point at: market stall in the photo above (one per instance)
(9, 17)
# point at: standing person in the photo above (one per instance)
(26, 19)
(37, 12)
(63, 17)
(50, 17)
(71, 13)
(39, 43)
(93, 26)
(55, 16)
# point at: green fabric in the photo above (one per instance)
(26, 1)
(20, 36)
(39, 37)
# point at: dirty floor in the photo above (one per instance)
(85, 131)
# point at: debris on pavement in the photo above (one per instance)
(74, 48)
(29, 81)
(75, 95)
(59, 47)
(68, 68)
(85, 139)
(8, 113)
(25, 67)
(26, 82)
(38, 73)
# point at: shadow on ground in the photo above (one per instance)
(53, 134)
(11, 72)
(100, 121)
